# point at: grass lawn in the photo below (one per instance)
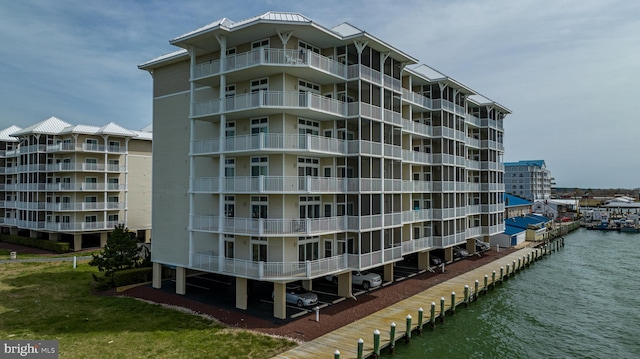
(53, 301)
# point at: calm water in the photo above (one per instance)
(580, 302)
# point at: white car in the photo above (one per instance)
(364, 279)
(300, 297)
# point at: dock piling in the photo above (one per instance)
(392, 337)
(420, 318)
(433, 315)
(453, 302)
(376, 343)
(442, 310)
(408, 332)
(360, 348)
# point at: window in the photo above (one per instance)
(113, 218)
(259, 166)
(259, 249)
(309, 207)
(229, 206)
(91, 164)
(230, 167)
(230, 129)
(259, 125)
(114, 165)
(308, 166)
(260, 84)
(90, 199)
(308, 248)
(90, 219)
(260, 43)
(259, 206)
(229, 244)
(306, 46)
(92, 144)
(114, 146)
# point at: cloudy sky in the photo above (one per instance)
(568, 70)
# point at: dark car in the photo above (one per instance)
(435, 260)
(459, 252)
(481, 245)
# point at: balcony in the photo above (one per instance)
(449, 106)
(313, 105)
(271, 57)
(417, 128)
(301, 269)
(78, 226)
(417, 99)
(83, 147)
(446, 241)
(417, 157)
(270, 141)
(269, 184)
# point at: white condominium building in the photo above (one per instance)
(286, 151)
(528, 179)
(75, 183)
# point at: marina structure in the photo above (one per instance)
(287, 151)
(74, 183)
(529, 179)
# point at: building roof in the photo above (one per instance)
(55, 126)
(5, 135)
(52, 125)
(203, 40)
(535, 163)
(523, 222)
(511, 230)
(513, 201)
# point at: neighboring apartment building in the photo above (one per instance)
(286, 151)
(530, 180)
(75, 183)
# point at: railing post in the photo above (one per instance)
(432, 320)
(376, 343)
(392, 337)
(453, 302)
(260, 269)
(308, 268)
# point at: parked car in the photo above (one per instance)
(481, 245)
(435, 260)
(363, 279)
(300, 297)
(459, 252)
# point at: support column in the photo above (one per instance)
(471, 246)
(77, 242)
(181, 280)
(13, 231)
(307, 284)
(54, 237)
(388, 272)
(103, 239)
(156, 281)
(279, 300)
(33, 234)
(241, 293)
(423, 260)
(344, 284)
(448, 254)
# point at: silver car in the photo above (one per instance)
(363, 279)
(300, 297)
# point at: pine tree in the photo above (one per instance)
(120, 252)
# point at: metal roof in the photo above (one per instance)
(55, 126)
(513, 201)
(5, 135)
(52, 125)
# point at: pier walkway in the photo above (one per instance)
(345, 339)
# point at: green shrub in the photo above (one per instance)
(132, 276)
(58, 247)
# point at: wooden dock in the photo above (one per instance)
(345, 339)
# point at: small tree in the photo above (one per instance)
(121, 252)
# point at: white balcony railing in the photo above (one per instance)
(270, 56)
(271, 141)
(271, 99)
